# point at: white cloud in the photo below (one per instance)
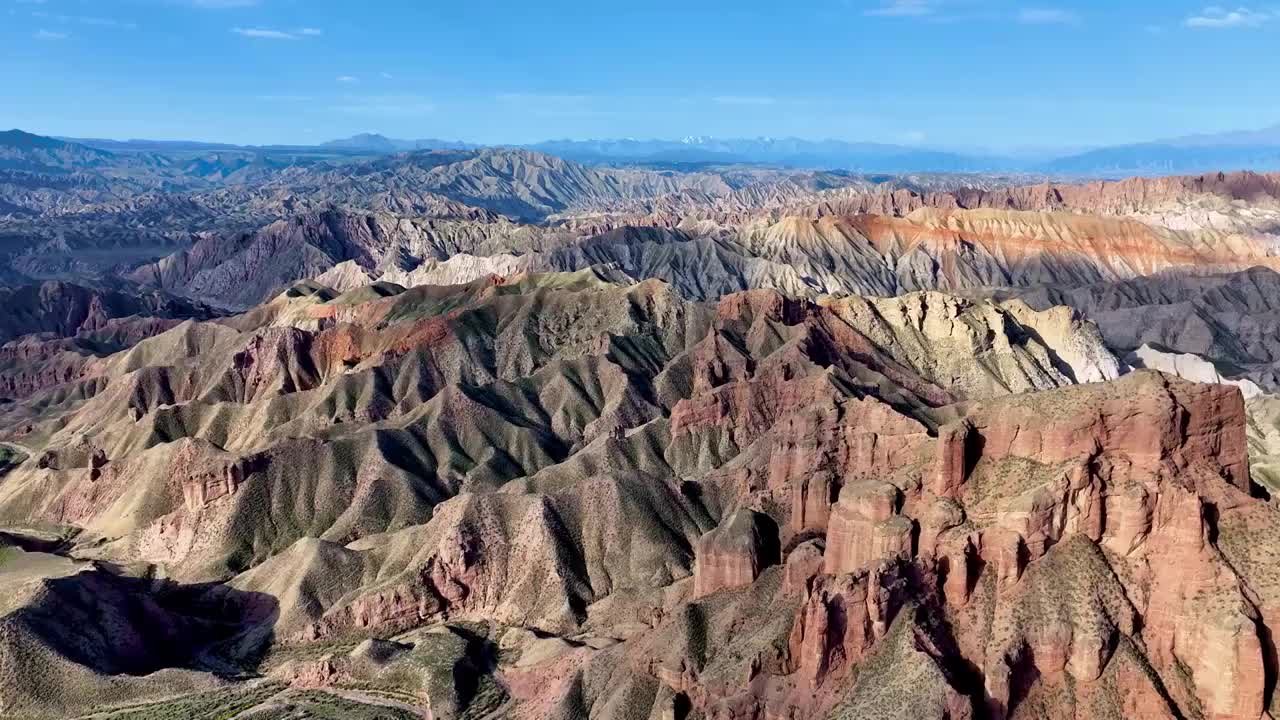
(348, 79)
(264, 33)
(86, 20)
(519, 97)
(743, 100)
(1217, 17)
(386, 75)
(950, 10)
(50, 35)
(912, 137)
(271, 34)
(1047, 16)
(904, 8)
(221, 4)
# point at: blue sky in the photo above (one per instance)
(946, 73)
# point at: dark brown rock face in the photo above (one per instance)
(66, 310)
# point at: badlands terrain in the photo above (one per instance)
(487, 433)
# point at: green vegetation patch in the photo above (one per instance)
(10, 458)
(318, 704)
(215, 705)
(368, 293)
(995, 482)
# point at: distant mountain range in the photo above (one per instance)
(1265, 137)
(373, 142)
(1162, 159)
(1243, 150)
(20, 151)
(788, 152)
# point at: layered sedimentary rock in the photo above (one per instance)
(1135, 472)
(887, 242)
(1163, 428)
(865, 528)
(735, 553)
(500, 435)
(67, 310)
(920, 506)
(1227, 320)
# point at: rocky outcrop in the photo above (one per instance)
(981, 349)
(468, 561)
(1164, 428)
(865, 528)
(842, 619)
(1198, 616)
(735, 553)
(61, 309)
(1128, 466)
(276, 361)
(205, 480)
(748, 408)
(750, 307)
(1188, 367)
(816, 453)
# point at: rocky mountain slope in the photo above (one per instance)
(556, 496)
(60, 309)
(1254, 149)
(48, 333)
(24, 151)
(929, 248)
(1226, 319)
(94, 218)
(86, 214)
(478, 433)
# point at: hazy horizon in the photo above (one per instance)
(1015, 152)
